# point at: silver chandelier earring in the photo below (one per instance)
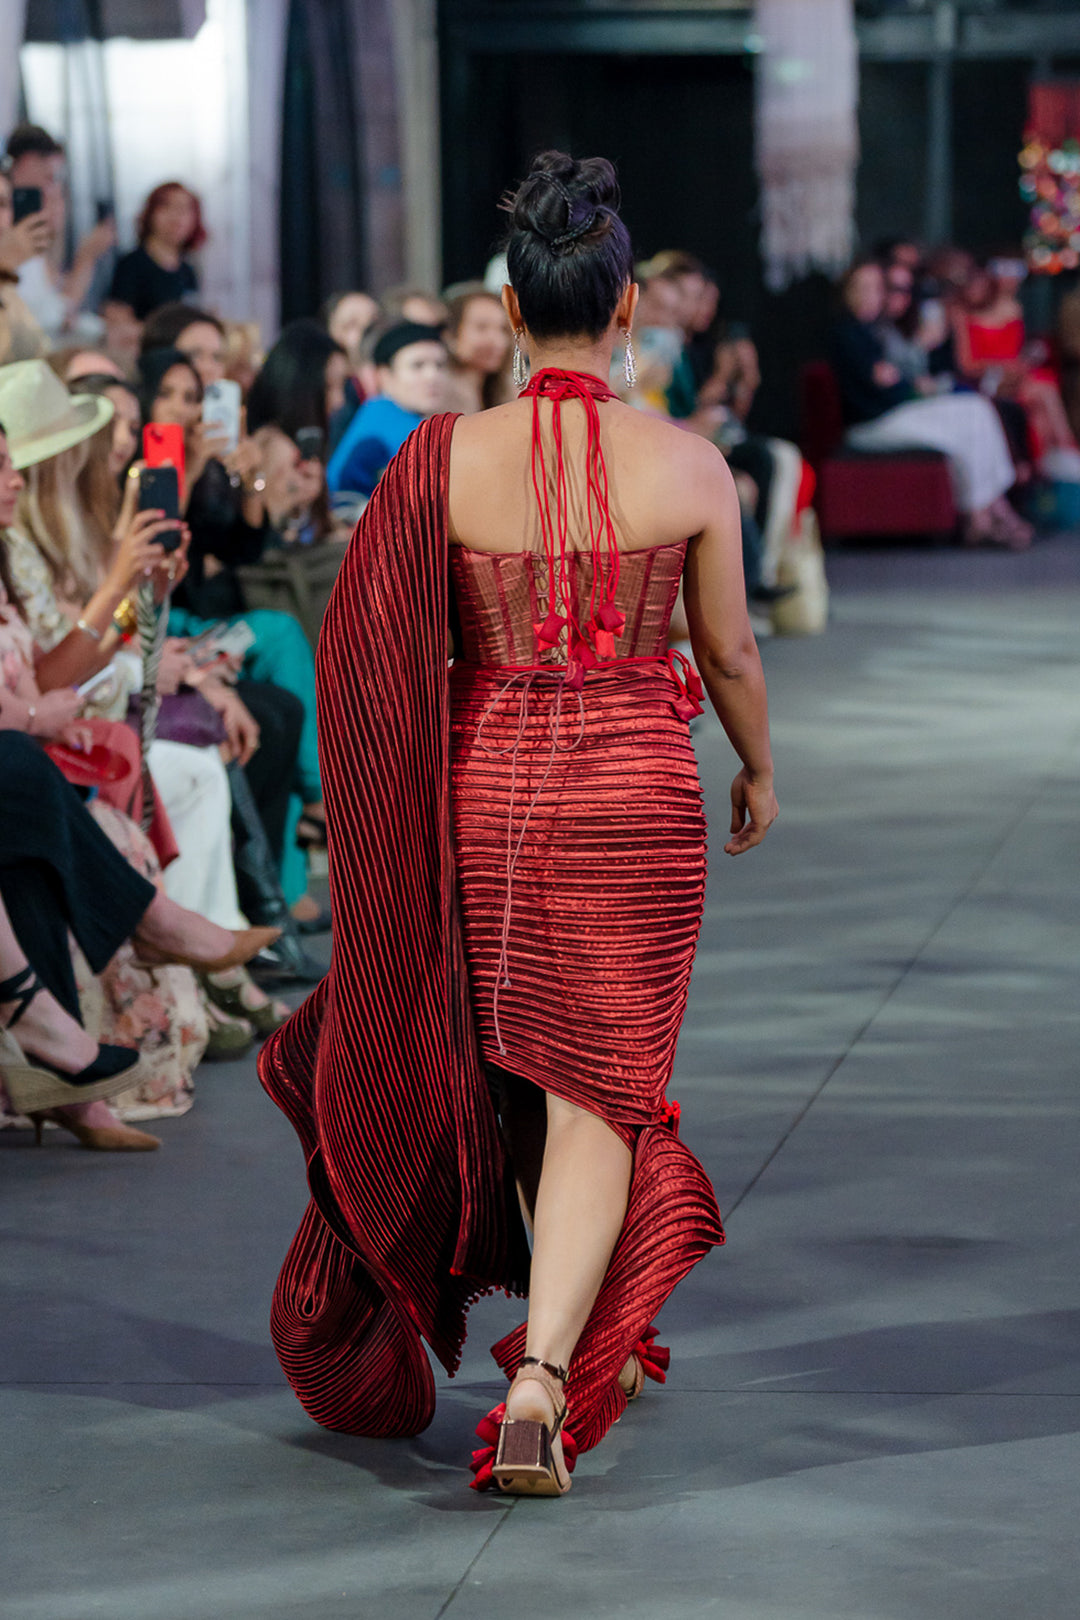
(630, 361)
(521, 365)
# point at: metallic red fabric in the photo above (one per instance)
(517, 869)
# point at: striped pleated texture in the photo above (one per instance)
(413, 1212)
(606, 900)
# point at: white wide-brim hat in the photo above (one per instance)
(40, 417)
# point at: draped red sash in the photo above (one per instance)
(413, 1211)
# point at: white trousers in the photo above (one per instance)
(195, 792)
(965, 426)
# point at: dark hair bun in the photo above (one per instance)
(562, 201)
(568, 253)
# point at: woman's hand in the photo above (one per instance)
(885, 374)
(241, 729)
(173, 568)
(140, 550)
(200, 448)
(753, 811)
(27, 240)
(55, 712)
(173, 667)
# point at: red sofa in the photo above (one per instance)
(862, 494)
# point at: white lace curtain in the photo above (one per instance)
(806, 136)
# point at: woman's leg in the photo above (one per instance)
(195, 790)
(58, 864)
(272, 770)
(47, 1028)
(580, 1207)
(965, 427)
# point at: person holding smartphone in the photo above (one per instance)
(54, 294)
(21, 336)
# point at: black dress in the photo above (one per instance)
(59, 872)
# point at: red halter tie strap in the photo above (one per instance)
(596, 641)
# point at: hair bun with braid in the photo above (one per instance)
(568, 251)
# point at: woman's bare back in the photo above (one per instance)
(662, 481)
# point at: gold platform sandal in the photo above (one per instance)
(530, 1459)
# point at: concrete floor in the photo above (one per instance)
(875, 1396)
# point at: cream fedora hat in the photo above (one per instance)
(40, 417)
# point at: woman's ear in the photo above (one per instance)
(624, 313)
(512, 307)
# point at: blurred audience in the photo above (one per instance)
(411, 371)
(480, 342)
(883, 410)
(53, 293)
(158, 271)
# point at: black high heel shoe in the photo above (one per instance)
(36, 1085)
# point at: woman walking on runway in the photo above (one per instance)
(517, 858)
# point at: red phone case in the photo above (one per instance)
(163, 445)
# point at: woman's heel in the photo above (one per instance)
(530, 1459)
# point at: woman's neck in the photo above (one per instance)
(162, 253)
(592, 358)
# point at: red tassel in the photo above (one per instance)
(671, 1115)
(604, 642)
(611, 618)
(548, 633)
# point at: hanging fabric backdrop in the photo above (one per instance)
(807, 144)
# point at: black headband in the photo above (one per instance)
(401, 336)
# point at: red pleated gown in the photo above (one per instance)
(517, 860)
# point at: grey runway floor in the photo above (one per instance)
(874, 1404)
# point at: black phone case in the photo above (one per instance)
(159, 487)
(25, 200)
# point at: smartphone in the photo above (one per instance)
(159, 490)
(311, 443)
(221, 412)
(103, 676)
(163, 442)
(26, 200)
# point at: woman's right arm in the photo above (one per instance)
(726, 653)
(90, 645)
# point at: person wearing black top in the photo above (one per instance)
(883, 412)
(157, 271)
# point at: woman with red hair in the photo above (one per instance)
(158, 271)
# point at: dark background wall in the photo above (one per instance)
(680, 129)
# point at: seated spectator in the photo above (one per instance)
(21, 336)
(411, 367)
(198, 334)
(993, 353)
(158, 271)
(65, 561)
(300, 388)
(61, 876)
(229, 527)
(883, 411)
(349, 317)
(480, 341)
(54, 295)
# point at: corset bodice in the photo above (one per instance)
(503, 596)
